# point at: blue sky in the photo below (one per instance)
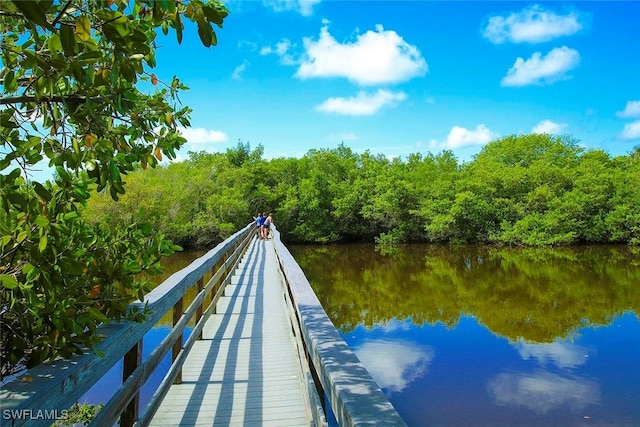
(406, 77)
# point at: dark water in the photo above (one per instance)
(477, 336)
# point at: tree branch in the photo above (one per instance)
(62, 12)
(9, 100)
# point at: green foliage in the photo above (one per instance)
(70, 80)
(530, 190)
(79, 415)
(208, 200)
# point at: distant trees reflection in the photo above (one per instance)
(534, 294)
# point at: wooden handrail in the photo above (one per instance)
(53, 386)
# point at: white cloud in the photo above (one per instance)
(548, 127)
(281, 49)
(248, 44)
(237, 73)
(563, 355)
(202, 135)
(461, 137)
(542, 70)
(394, 364)
(363, 104)
(376, 57)
(631, 131)
(542, 392)
(531, 25)
(304, 7)
(632, 109)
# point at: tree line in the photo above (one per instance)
(530, 190)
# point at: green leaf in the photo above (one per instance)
(146, 228)
(68, 40)
(115, 172)
(18, 200)
(41, 221)
(21, 236)
(55, 43)
(214, 15)
(8, 282)
(33, 12)
(178, 25)
(8, 82)
(43, 243)
(70, 216)
(205, 32)
(41, 191)
(83, 28)
(97, 315)
(70, 266)
(112, 16)
(6, 119)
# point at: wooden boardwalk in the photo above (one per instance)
(245, 371)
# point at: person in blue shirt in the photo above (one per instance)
(259, 221)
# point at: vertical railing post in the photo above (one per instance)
(214, 288)
(132, 360)
(177, 345)
(200, 287)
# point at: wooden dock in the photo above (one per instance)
(253, 358)
(245, 371)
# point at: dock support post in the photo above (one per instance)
(132, 360)
(178, 311)
(199, 311)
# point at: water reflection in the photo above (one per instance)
(543, 391)
(394, 364)
(477, 336)
(562, 354)
(536, 295)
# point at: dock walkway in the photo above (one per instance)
(245, 371)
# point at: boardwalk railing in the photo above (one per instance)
(329, 366)
(53, 387)
(355, 398)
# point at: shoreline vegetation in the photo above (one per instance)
(520, 190)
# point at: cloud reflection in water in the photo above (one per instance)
(562, 354)
(394, 364)
(543, 391)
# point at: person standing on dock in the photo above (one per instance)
(259, 221)
(266, 225)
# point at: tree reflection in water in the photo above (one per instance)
(485, 336)
(532, 295)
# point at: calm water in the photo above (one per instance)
(477, 336)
